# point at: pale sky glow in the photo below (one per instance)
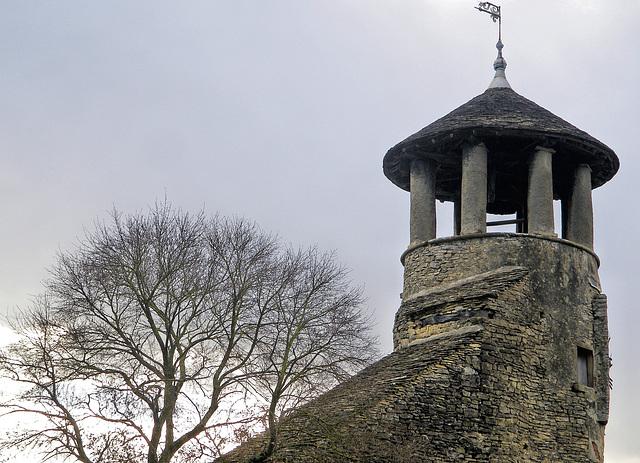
(7, 336)
(282, 111)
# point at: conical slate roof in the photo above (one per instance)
(507, 123)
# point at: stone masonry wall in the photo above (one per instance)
(538, 301)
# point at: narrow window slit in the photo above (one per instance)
(585, 367)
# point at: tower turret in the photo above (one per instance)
(532, 296)
(522, 154)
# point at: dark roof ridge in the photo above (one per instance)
(501, 113)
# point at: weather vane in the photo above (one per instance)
(494, 11)
(500, 64)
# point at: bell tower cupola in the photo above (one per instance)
(501, 154)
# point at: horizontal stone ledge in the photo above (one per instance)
(476, 286)
(449, 334)
(494, 235)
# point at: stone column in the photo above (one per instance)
(422, 221)
(473, 191)
(540, 193)
(580, 209)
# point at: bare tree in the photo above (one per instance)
(161, 332)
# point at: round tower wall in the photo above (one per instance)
(450, 259)
(535, 307)
(543, 284)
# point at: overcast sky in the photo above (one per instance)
(281, 112)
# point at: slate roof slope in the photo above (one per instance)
(501, 114)
(380, 413)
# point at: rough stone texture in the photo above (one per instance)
(545, 313)
(476, 286)
(485, 367)
(601, 357)
(410, 404)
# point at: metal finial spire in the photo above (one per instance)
(500, 64)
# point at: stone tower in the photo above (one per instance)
(501, 340)
(532, 295)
